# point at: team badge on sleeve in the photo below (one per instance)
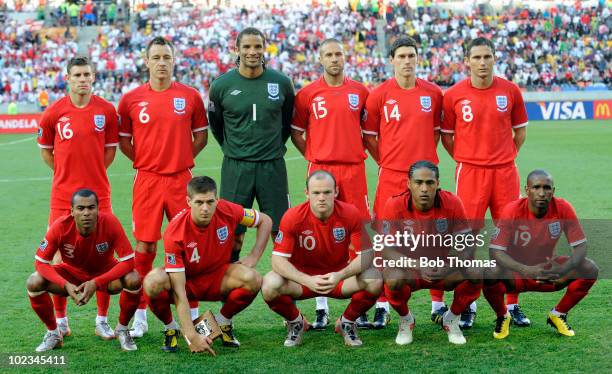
(442, 225)
(425, 103)
(43, 245)
(99, 122)
(40, 132)
(554, 229)
(495, 233)
(279, 237)
(339, 234)
(170, 259)
(179, 105)
(222, 233)
(502, 103)
(353, 100)
(273, 91)
(102, 247)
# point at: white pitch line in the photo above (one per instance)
(18, 141)
(41, 179)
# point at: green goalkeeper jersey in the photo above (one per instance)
(251, 118)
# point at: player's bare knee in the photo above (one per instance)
(270, 288)
(251, 279)
(36, 283)
(589, 269)
(374, 285)
(131, 281)
(154, 283)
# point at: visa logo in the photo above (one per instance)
(563, 110)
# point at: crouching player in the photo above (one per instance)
(426, 210)
(198, 245)
(524, 247)
(311, 258)
(87, 241)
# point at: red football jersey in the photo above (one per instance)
(78, 137)
(405, 122)
(202, 250)
(530, 240)
(93, 254)
(482, 121)
(447, 216)
(317, 247)
(162, 124)
(332, 119)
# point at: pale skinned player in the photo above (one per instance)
(77, 124)
(163, 128)
(311, 258)
(326, 128)
(198, 245)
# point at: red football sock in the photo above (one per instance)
(143, 263)
(59, 303)
(576, 291)
(194, 304)
(437, 295)
(284, 306)
(43, 306)
(103, 301)
(495, 296)
(160, 306)
(511, 298)
(360, 303)
(382, 298)
(399, 299)
(237, 300)
(465, 293)
(128, 303)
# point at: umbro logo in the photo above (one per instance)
(307, 232)
(64, 119)
(143, 103)
(192, 245)
(235, 92)
(318, 98)
(466, 102)
(391, 102)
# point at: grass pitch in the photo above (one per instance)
(577, 153)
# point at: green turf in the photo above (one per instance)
(577, 153)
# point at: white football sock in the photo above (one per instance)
(195, 313)
(473, 306)
(140, 315)
(558, 314)
(322, 303)
(101, 319)
(223, 320)
(435, 305)
(511, 306)
(449, 316)
(61, 320)
(383, 304)
(171, 326)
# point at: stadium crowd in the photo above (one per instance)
(559, 48)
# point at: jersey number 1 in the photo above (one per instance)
(395, 114)
(64, 132)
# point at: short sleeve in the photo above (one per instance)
(448, 114)
(571, 226)
(173, 255)
(121, 245)
(301, 111)
(284, 243)
(364, 112)
(125, 121)
(47, 248)
(199, 121)
(46, 129)
(111, 133)
(519, 112)
(371, 124)
(437, 107)
(359, 238)
(502, 234)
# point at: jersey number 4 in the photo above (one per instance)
(195, 257)
(395, 114)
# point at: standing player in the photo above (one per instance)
(198, 245)
(523, 245)
(484, 127)
(250, 113)
(163, 128)
(311, 258)
(329, 112)
(79, 124)
(403, 124)
(87, 240)
(430, 211)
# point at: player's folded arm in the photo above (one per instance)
(46, 270)
(121, 268)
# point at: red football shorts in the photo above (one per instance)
(351, 181)
(336, 293)
(390, 183)
(531, 285)
(206, 287)
(54, 214)
(77, 276)
(480, 188)
(154, 195)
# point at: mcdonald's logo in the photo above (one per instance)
(602, 109)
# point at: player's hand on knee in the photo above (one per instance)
(86, 291)
(72, 292)
(249, 261)
(200, 343)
